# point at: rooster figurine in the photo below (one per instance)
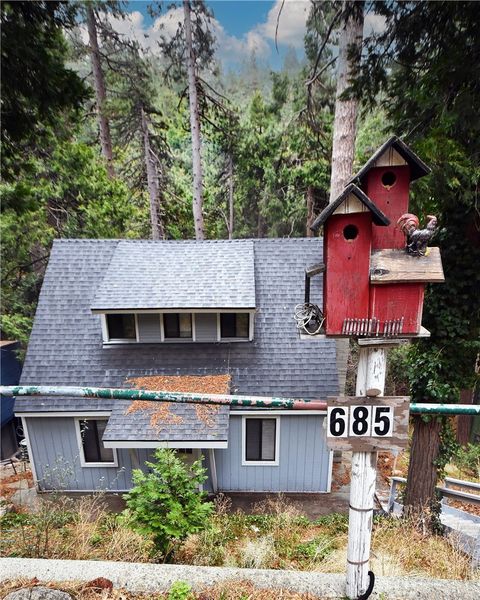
(417, 239)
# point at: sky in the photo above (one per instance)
(240, 26)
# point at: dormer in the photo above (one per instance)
(177, 292)
(386, 178)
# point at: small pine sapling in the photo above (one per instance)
(166, 502)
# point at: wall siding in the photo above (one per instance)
(57, 459)
(206, 327)
(149, 328)
(303, 463)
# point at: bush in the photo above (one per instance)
(166, 502)
(468, 459)
(180, 590)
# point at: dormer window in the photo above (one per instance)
(121, 327)
(234, 325)
(154, 327)
(177, 325)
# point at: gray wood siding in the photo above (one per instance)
(149, 328)
(303, 459)
(206, 327)
(57, 459)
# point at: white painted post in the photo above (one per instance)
(370, 382)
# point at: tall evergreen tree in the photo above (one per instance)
(424, 71)
(189, 51)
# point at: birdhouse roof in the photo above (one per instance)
(417, 167)
(378, 217)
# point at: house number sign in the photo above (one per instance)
(367, 423)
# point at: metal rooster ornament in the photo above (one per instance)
(417, 239)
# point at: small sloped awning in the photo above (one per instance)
(178, 275)
(141, 424)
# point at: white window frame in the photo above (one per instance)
(181, 340)
(249, 338)
(107, 341)
(260, 463)
(83, 462)
(106, 335)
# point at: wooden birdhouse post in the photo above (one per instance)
(376, 266)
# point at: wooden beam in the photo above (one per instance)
(396, 266)
(315, 269)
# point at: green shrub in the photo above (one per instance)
(468, 459)
(315, 550)
(166, 502)
(180, 590)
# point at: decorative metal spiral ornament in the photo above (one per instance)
(309, 318)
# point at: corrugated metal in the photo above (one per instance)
(57, 459)
(149, 328)
(206, 327)
(303, 460)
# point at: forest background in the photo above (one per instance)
(97, 143)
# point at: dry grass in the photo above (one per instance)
(418, 552)
(278, 537)
(80, 529)
(228, 590)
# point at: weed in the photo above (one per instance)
(180, 590)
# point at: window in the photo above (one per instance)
(92, 448)
(234, 325)
(260, 441)
(121, 327)
(156, 327)
(177, 325)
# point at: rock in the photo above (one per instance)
(20, 484)
(38, 593)
(27, 499)
(100, 583)
(5, 507)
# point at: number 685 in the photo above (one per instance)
(360, 420)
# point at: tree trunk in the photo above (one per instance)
(230, 197)
(100, 90)
(195, 128)
(310, 215)
(344, 126)
(151, 165)
(422, 472)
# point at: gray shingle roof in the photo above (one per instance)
(178, 274)
(184, 426)
(66, 347)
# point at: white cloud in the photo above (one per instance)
(373, 24)
(230, 49)
(291, 24)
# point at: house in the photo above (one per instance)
(211, 316)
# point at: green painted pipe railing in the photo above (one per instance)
(218, 399)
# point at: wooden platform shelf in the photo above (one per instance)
(396, 266)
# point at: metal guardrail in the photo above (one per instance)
(446, 492)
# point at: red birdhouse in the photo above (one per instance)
(374, 278)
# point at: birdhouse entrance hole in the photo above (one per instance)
(350, 232)
(388, 179)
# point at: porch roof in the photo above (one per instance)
(152, 424)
